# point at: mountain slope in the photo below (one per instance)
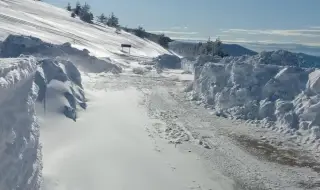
(55, 25)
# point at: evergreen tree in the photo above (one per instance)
(73, 15)
(69, 7)
(85, 14)
(102, 19)
(140, 32)
(218, 50)
(113, 21)
(77, 9)
(164, 41)
(209, 47)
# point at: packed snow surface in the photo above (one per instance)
(270, 87)
(110, 148)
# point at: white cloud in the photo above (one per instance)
(173, 32)
(179, 28)
(246, 41)
(314, 32)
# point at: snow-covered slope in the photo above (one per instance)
(55, 25)
(270, 87)
(20, 153)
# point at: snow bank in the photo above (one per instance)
(188, 63)
(269, 87)
(20, 152)
(57, 77)
(24, 80)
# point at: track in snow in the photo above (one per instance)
(113, 146)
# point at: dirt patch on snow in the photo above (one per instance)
(290, 157)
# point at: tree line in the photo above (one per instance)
(210, 48)
(85, 14)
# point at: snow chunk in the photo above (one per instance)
(168, 61)
(314, 82)
(140, 70)
(58, 77)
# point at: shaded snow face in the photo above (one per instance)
(58, 73)
(251, 87)
(168, 61)
(20, 152)
(60, 78)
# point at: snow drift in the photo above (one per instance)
(15, 45)
(270, 87)
(20, 153)
(57, 77)
(23, 81)
(60, 79)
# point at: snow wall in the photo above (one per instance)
(45, 73)
(269, 88)
(20, 152)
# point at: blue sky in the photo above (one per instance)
(263, 21)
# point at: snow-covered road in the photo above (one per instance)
(111, 147)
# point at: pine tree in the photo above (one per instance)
(164, 41)
(102, 19)
(69, 7)
(85, 14)
(140, 32)
(77, 9)
(209, 47)
(113, 21)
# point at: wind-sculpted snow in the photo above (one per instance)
(23, 81)
(59, 78)
(20, 152)
(15, 45)
(269, 87)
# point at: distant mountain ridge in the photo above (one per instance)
(187, 49)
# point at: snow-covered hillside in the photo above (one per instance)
(55, 25)
(270, 87)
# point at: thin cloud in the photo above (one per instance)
(244, 41)
(173, 32)
(314, 32)
(179, 28)
(195, 38)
